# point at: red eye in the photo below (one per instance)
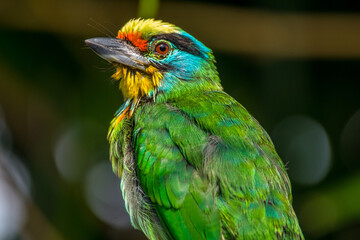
(162, 48)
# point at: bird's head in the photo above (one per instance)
(157, 59)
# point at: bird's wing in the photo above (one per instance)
(231, 126)
(254, 194)
(181, 195)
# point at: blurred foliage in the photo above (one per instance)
(57, 98)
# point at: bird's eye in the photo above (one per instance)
(162, 48)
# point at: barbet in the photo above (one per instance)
(193, 163)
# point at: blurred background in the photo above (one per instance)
(293, 64)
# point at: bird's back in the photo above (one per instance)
(253, 190)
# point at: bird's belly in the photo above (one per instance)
(142, 214)
(131, 190)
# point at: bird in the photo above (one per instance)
(193, 162)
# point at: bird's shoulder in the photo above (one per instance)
(220, 114)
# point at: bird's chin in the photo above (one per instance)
(135, 83)
(122, 71)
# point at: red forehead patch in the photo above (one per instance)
(135, 39)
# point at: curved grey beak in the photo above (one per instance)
(118, 51)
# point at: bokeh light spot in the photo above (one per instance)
(15, 183)
(350, 141)
(12, 211)
(304, 147)
(78, 147)
(104, 196)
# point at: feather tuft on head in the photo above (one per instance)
(137, 31)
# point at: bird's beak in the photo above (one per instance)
(117, 50)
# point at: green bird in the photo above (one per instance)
(193, 163)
